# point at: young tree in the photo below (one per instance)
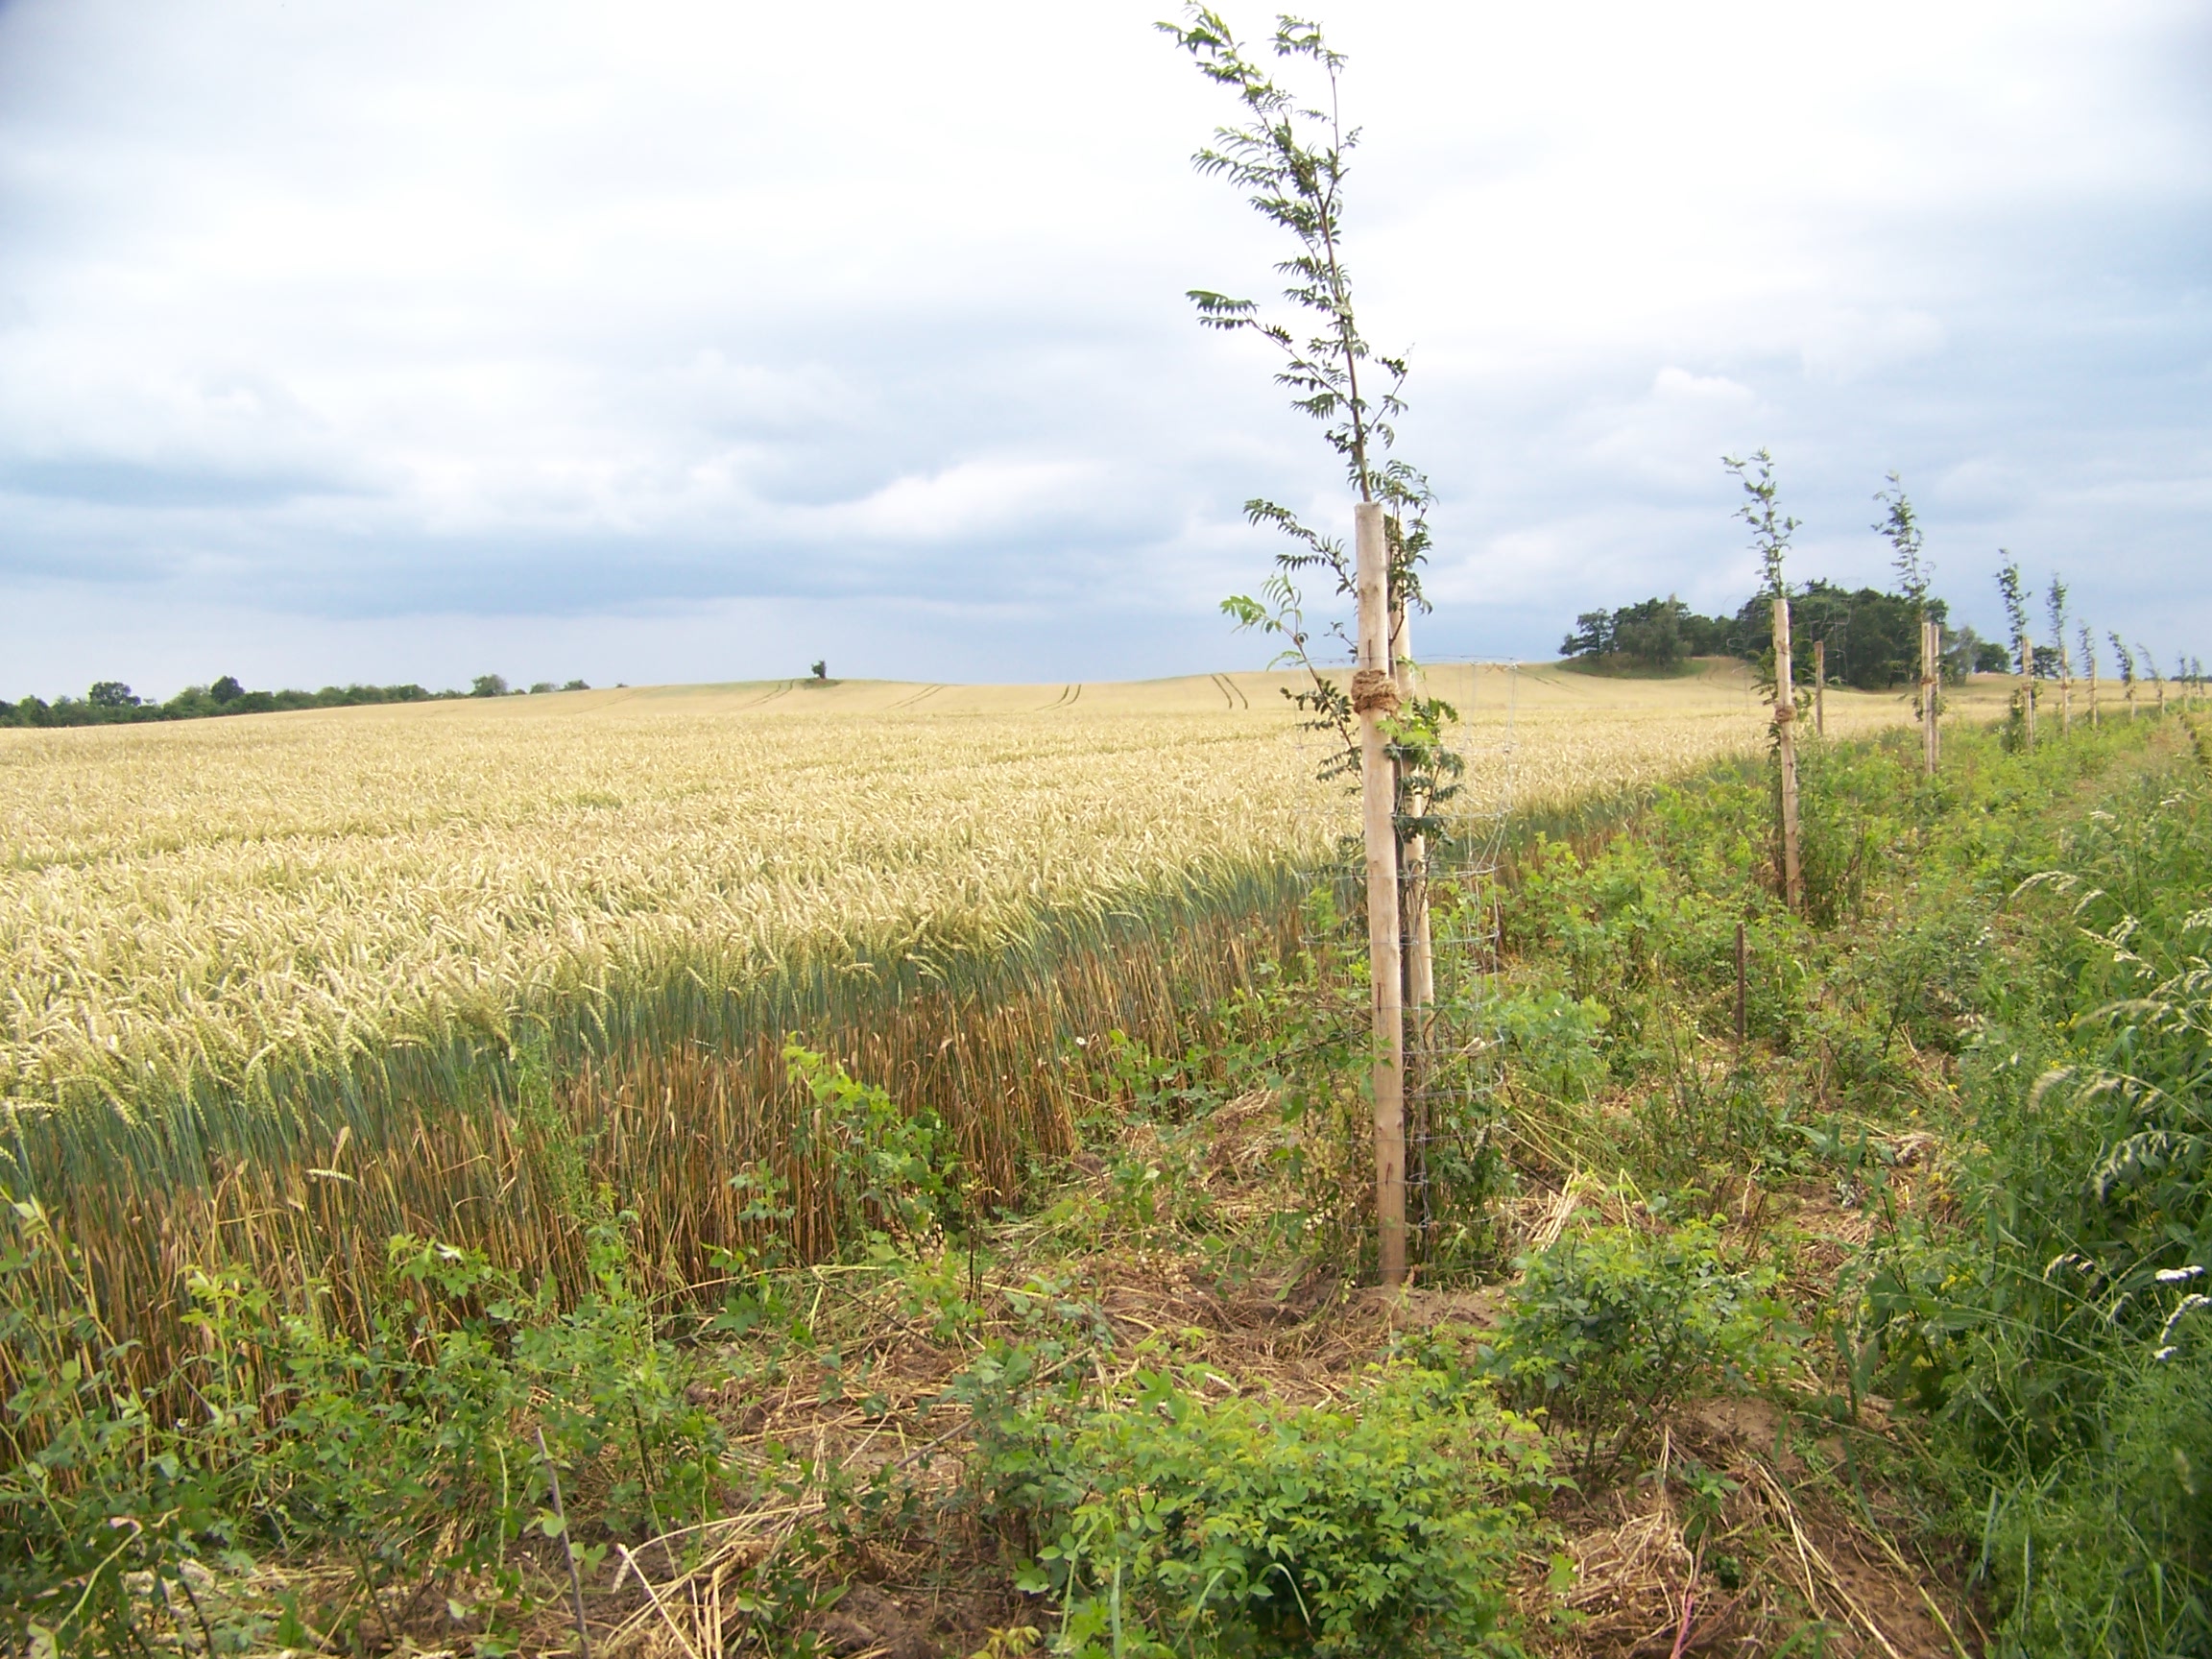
(2126, 671)
(1901, 525)
(2151, 664)
(1290, 154)
(1770, 533)
(2015, 599)
(2055, 603)
(2089, 667)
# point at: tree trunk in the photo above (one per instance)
(1374, 695)
(1784, 722)
(2028, 690)
(1420, 947)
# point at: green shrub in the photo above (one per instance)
(402, 1438)
(1175, 1524)
(1609, 1328)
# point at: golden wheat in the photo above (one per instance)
(276, 964)
(193, 900)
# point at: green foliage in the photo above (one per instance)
(1609, 1328)
(110, 702)
(1761, 509)
(1900, 525)
(1290, 157)
(1175, 1523)
(2055, 1333)
(402, 1440)
(892, 1172)
(1655, 633)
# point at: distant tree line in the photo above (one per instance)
(111, 703)
(1872, 637)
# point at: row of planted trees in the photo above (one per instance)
(1771, 530)
(1287, 154)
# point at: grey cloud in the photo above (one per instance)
(517, 320)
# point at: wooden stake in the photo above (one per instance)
(1421, 955)
(2094, 721)
(1374, 695)
(1784, 722)
(1820, 688)
(2028, 688)
(2065, 690)
(1935, 696)
(1743, 988)
(1925, 700)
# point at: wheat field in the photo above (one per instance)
(193, 898)
(280, 987)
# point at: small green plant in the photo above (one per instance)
(1187, 1525)
(893, 1171)
(1608, 1328)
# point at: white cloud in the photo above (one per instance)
(522, 310)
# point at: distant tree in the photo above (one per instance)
(1649, 635)
(539, 686)
(488, 686)
(575, 686)
(227, 689)
(111, 694)
(1965, 652)
(1592, 638)
(821, 668)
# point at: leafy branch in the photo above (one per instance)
(1291, 153)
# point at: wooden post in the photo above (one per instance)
(2028, 690)
(1935, 696)
(2094, 721)
(1414, 932)
(1820, 688)
(1743, 988)
(1373, 696)
(1421, 954)
(2065, 689)
(1785, 720)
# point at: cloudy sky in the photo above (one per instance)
(692, 342)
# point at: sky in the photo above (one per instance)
(666, 342)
